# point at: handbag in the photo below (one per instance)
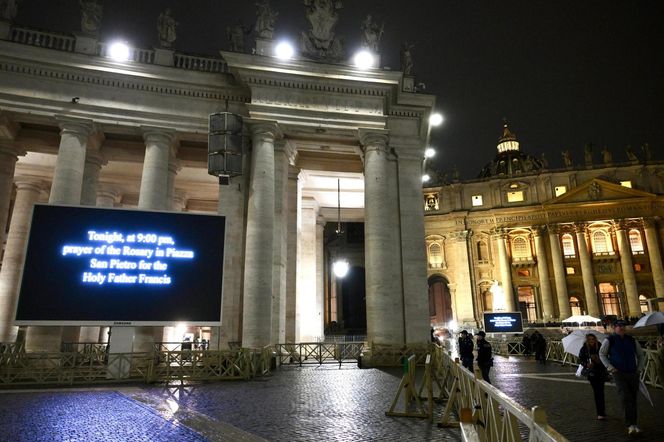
(581, 371)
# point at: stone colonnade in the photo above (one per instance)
(273, 286)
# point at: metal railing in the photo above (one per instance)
(43, 39)
(319, 353)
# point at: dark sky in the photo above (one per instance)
(564, 73)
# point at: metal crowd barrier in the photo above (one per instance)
(319, 353)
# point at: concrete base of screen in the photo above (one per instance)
(120, 346)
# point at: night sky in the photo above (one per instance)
(564, 73)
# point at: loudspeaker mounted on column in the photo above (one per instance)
(225, 146)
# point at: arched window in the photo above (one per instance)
(568, 245)
(482, 251)
(520, 247)
(635, 241)
(435, 255)
(601, 242)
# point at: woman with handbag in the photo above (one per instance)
(596, 372)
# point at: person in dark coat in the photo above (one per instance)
(484, 355)
(539, 343)
(466, 347)
(525, 341)
(589, 358)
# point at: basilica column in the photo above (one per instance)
(384, 299)
(171, 194)
(548, 311)
(293, 232)
(309, 310)
(586, 270)
(282, 152)
(9, 153)
(27, 194)
(463, 290)
(650, 227)
(159, 150)
(505, 271)
(257, 311)
(413, 247)
(564, 309)
(320, 273)
(629, 277)
(70, 165)
(106, 196)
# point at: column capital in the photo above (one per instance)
(539, 230)
(11, 148)
(79, 127)
(95, 157)
(580, 227)
(412, 152)
(159, 135)
(288, 148)
(320, 221)
(293, 173)
(174, 164)
(264, 128)
(180, 199)
(498, 232)
(650, 222)
(8, 127)
(28, 183)
(461, 235)
(619, 224)
(373, 139)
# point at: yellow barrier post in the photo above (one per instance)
(407, 386)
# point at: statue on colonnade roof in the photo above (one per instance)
(9, 9)
(91, 15)
(166, 25)
(235, 35)
(371, 33)
(320, 41)
(265, 18)
(407, 58)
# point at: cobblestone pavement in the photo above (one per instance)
(301, 404)
(569, 402)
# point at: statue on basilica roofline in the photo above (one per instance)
(631, 156)
(236, 35)
(588, 154)
(166, 25)
(9, 9)
(567, 159)
(320, 41)
(91, 15)
(544, 161)
(607, 156)
(407, 58)
(371, 34)
(265, 19)
(647, 153)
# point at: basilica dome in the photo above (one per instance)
(510, 161)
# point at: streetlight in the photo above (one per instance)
(430, 152)
(118, 51)
(284, 51)
(364, 59)
(436, 119)
(340, 268)
(425, 177)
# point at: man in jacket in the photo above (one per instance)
(484, 355)
(466, 350)
(623, 357)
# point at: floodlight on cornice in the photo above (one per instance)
(364, 59)
(119, 51)
(425, 178)
(284, 51)
(436, 119)
(429, 152)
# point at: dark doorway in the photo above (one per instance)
(353, 298)
(440, 301)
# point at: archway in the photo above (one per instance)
(353, 296)
(440, 301)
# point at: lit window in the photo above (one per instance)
(601, 242)
(514, 186)
(635, 241)
(525, 273)
(626, 184)
(435, 255)
(520, 247)
(570, 270)
(638, 267)
(568, 245)
(643, 302)
(559, 190)
(477, 200)
(514, 197)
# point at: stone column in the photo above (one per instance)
(281, 160)
(413, 248)
(308, 309)
(27, 194)
(292, 252)
(650, 227)
(159, 150)
(171, 193)
(232, 205)
(629, 277)
(559, 274)
(384, 290)
(463, 290)
(505, 271)
(257, 303)
(70, 165)
(548, 311)
(320, 275)
(9, 153)
(586, 270)
(106, 196)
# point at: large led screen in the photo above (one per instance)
(109, 267)
(504, 322)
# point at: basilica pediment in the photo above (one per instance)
(598, 190)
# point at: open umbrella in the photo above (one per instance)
(580, 319)
(573, 342)
(651, 318)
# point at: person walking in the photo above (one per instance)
(484, 355)
(466, 347)
(525, 341)
(624, 358)
(540, 348)
(589, 358)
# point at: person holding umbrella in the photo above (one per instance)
(589, 359)
(624, 358)
(484, 355)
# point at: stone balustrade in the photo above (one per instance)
(43, 39)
